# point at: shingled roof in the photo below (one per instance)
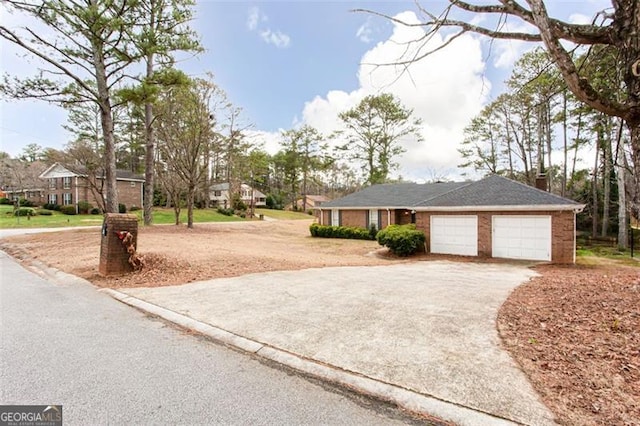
(492, 191)
(393, 195)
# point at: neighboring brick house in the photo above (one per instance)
(34, 195)
(69, 187)
(313, 202)
(219, 195)
(492, 217)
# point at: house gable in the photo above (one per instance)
(57, 170)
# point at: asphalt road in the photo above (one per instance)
(108, 363)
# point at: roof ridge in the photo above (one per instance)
(528, 186)
(463, 185)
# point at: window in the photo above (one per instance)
(66, 198)
(66, 183)
(335, 217)
(217, 193)
(53, 198)
(373, 218)
(52, 183)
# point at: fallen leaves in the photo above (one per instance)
(575, 331)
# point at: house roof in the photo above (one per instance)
(393, 195)
(59, 170)
(493, 192)
(225, 187)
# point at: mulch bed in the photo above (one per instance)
(575, 331)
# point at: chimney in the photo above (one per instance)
(541, 182)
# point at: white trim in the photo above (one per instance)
(577, 208)
(455, 244)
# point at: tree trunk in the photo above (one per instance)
(149, 156)
(594, 194)
(106, 120)
(606, 172)
(565, 147)
(190, 199)
(622, 193)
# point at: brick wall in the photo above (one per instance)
(130, 193)
(562, 231)
(354, 218)
(114, 259)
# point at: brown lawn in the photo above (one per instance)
(575, 331)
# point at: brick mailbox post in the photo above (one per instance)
(114, 258)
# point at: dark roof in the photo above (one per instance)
(493, 190)
(394, 194)
(120, 173)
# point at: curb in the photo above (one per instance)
(404, 398)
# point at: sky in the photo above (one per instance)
(288, 63)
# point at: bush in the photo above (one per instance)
(50, 206)
(95, 210)
(226, 212)
(84, 207)
(275, 202)
(70, 210)
(44, 212)
(5, 201)
(25, 203)
(134, 208)
(402, 240)
(347, 232)
(122, 208)
(25, 211)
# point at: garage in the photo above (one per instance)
(521, 237)
(454, 235)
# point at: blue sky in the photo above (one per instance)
(292, 62)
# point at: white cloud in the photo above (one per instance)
(445, 90)
(580, 19)
(269, 36)
(276, 38)
(253, 18)
(365, 32)
(269, 141)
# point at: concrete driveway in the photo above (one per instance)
(428, 326)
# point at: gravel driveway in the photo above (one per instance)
(426, 326)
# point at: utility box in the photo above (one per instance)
(114, 259)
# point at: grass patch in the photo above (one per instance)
(600, 255)
(166, 216)
(283, 214)
(57, 219)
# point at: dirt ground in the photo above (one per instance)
(575, 330)
(177, 255)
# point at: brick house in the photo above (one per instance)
(69, 187)
(313, 202)
(492, 217)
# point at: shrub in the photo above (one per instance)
(25, 211)
(402, 240)
(122, 208)
(95, 210)
(84, 207)
(25, 203)
(50, 206)
(226, 212)
(134, 208)
(5, 201)
(44, 212)
(348, 232)
(70, 210)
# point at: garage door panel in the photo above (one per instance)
(454, 235)
(522, 237)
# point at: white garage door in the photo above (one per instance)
(522, 237)
(454, 235)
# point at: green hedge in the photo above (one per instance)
(25, 211)
(68, 209)
(402, 240)
(45, 212)
(348, 232)
(226, 212)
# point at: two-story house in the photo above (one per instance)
(220, 197)
(65, 186)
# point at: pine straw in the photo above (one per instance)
(575, 331)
